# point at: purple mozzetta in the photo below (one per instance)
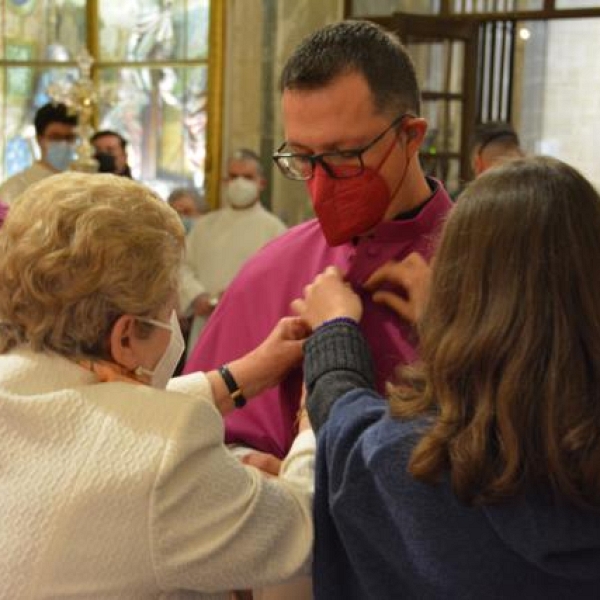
(263, 290)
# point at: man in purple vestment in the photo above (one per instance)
(352, 132)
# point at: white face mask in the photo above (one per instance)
(165, 367)
(241, 192)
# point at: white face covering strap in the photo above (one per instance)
(165, 367)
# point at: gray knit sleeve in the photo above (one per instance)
(337, 359)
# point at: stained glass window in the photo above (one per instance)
(151, 70)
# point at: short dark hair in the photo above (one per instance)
(193, 193)
(53, 112)
(247, 154)
(356, 46)
(494, 132)
(105, 132)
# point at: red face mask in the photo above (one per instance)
(349, 207)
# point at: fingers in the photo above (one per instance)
(400, 273)
(410, 275)
(267, 463)
(294, 328)
(334, 271)
(330, 274)
(398, 304)
(327, 297)
(298, 306)
(384, 274)
(202, 305)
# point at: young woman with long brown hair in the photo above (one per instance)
(480, 476)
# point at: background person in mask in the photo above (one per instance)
(111, 152)
(223, 240)
(350, 106)
(189, 204)
(55, 135)
(113, 486)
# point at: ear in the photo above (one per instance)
(122, 342)
(262, 184)
(415, 129)
(479, 165)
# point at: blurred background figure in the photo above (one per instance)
(55, 135)
(111, 152)
(189, 205)
(494, 143)
(221, 241)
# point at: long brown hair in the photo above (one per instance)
(510, 340)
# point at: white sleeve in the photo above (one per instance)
(190, 280)
(217, 525)
(189, 288)
(194, 384)
(299, 465)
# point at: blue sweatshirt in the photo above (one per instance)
(382, 534)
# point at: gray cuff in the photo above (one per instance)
(337, 347)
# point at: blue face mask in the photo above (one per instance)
(59, 155)
(188, 223)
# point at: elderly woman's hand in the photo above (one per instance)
(412, 275)
(266, 365)
(280, 351)
(328, 297)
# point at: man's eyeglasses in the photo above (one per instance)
(339, 165)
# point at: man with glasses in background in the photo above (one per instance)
(56, 136)
(352, 133)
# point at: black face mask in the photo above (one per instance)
(107, 163)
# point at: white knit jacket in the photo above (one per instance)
(116, 490)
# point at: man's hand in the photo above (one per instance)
(203, 305)
(413, 276)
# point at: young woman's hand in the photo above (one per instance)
(412, 275)
(328, 297)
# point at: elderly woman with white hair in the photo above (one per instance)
(112, 486)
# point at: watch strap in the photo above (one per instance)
(233, 388)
